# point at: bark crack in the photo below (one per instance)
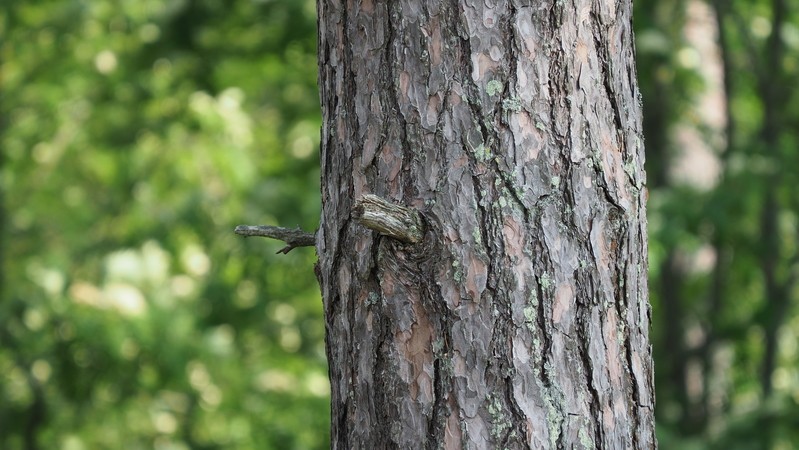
(555, 69)
(585, 355)
(628, 347)
(605, 60)
(435, 423)
(392, 59)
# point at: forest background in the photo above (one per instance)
(135, 134)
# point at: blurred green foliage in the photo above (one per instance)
(137, 134)
(721, 121)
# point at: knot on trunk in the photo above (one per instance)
(388, 219)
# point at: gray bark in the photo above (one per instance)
(520, 320)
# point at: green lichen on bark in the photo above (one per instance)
(585, 439)
(493, 87)
(457, 274)
(482, 153)
(545, 281)
(530, 314)
(554, 414)
(499, 420)
(476, 235)
(372, 299)
(513, 104)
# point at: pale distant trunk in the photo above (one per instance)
(521, 319)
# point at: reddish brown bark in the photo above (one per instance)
(521, 319)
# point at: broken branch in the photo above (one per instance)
(294, 238)
(388, 219)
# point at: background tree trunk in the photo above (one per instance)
(521, 320)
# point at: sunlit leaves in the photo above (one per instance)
(136, 135)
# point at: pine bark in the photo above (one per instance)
(520, 319)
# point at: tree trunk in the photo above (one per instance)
(521, 318)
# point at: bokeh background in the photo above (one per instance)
(135, 134)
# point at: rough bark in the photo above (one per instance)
(520, 320)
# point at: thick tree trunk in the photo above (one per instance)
(521, 318)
